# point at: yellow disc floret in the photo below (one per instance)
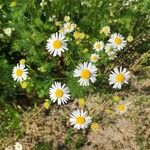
(68, 27)
(80, 120)
(94, 126)
(116, 98)
(86, 74)
(98, 45)
(81, 102)
(57, 44)
(59, 93)
(19, 72)
(46, 104)
(94, 58)
(118, 41)
(22, 61)
(120, 78)
(24, 85)
(121, 108)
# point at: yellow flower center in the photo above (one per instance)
(59, 93)
(19, 72)
(76, 35)
(116, 98)
(105, 30)
(121, 107)
(81, 102)
(24, 85)
(120, 78)
(94, 57)
(57, 44)
(98, 45)
(130, 38)
(94, 126)
(46, 104)
(118, 41)
(69, 27)
(22, 61)
(62, 30)
(86, 74)
(80, 120)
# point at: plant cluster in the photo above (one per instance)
(58, 50)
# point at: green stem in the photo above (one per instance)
(71, 59)
(42, 76)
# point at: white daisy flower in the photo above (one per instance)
(110, 51)
(98, 46)
(69, 27)
(1, 36)
(62, 31)
(59, 93)
(108, 47)
(122, 107)
(105, 30)
(7, 31)
(87, 72)
(43, 3)
(79, 119)
(20, 73)
(50, 19)
(94, 58)
(18, 146)
(118, 77)
(111, 55)
(56, 45)
(67, 18)
(9, 148)
(117, 41)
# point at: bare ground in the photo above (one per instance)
(116, 132)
